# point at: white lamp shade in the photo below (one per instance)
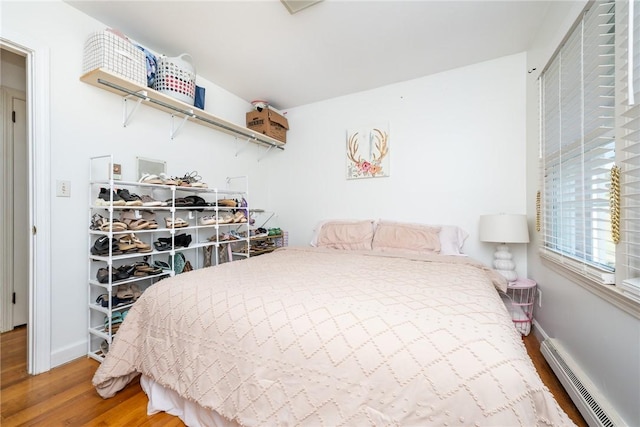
(504, 228)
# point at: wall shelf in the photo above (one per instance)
(119, 85)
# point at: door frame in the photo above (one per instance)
(39, 202)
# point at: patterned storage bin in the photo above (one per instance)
(176, 77)
(115, 53)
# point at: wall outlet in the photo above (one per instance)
(539, 296)
(63, 188)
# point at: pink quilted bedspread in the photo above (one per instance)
(306, 336)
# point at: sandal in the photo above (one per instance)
(116, 321)
(175, 223)
(136, 224)
(103, 300)
(162, 246)
(136, 292)
(141, 246)
(101, 246)
(150, 179)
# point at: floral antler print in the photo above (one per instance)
(361, 167)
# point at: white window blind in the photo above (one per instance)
(632, 16)
(577, 132)
(630, 142)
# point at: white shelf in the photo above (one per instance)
(119, 85)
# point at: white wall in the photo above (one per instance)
(457, 151)
(602, 339)
(87, 121)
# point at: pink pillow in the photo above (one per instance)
(354, 235)
(398, 236)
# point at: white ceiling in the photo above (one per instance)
(258, 50)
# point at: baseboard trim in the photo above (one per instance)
(68, 354)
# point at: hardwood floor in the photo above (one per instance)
(64, 396)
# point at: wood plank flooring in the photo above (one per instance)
(64, 396)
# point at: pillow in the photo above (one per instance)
(452, 239)
(344, 234)
(406, 237)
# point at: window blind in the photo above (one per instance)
(577, 132)
(630, 142)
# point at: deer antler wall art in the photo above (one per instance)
(367, 153)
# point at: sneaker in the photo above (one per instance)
(129, 199)
(104, 199)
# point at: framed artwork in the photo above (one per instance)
(368, 152)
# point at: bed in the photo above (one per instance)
(348, 333)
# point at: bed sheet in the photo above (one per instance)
(306, 336)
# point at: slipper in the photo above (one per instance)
(101, 245)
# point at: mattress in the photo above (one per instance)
(309, 336)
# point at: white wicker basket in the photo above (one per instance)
(176, 77)
(115, 53)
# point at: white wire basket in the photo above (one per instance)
(115, 53)
(176, 77)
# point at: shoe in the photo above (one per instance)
(182, 240)
(136, 224)
(104, 198)
(150, 201)
(129, 199)
(103, 275)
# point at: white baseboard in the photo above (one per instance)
(69, 353)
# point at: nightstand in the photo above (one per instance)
(521, 295)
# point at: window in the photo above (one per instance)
(629, 134)
(578, 145)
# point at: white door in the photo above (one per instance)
(21, 232)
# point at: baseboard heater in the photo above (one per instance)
(593, 406)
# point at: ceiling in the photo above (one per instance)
(258, 50)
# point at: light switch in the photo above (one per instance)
(63, 188)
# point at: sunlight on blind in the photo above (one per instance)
(578, 117)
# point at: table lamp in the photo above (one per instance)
(503, 229)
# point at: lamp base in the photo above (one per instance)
(503, 264)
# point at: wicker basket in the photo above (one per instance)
(176, 77)
(115, 53)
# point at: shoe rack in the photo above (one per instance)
(131, 246)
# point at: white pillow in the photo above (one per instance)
(452, 239)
